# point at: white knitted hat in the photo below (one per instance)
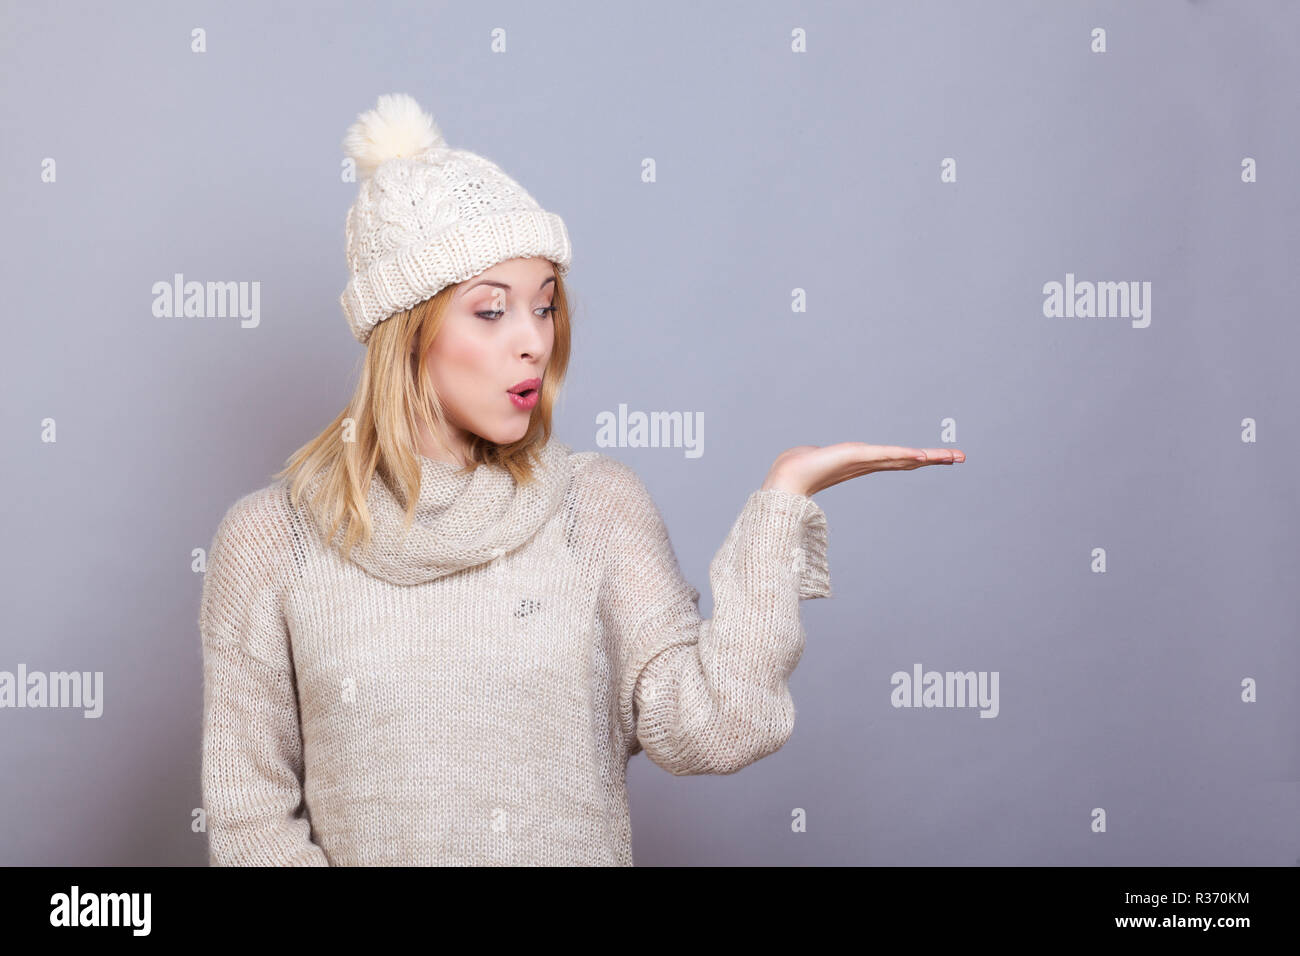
(428, 216)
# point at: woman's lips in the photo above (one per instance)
(525, 400)
(524, 394)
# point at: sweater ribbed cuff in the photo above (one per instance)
(796, 532)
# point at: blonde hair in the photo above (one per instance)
(376, 432)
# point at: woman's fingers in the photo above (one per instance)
(942, 456)
(856, 453)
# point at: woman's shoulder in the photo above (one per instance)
(260, 531)
(614, 491)
(267, 508)
(245, 568)
(600, 472)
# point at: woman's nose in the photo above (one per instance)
(532, 340)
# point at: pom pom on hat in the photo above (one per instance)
(396, 127)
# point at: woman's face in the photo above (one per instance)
(496, 334)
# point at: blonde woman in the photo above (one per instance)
(440, 634)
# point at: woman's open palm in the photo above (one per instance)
(807, 469)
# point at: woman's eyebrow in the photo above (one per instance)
(502, 285)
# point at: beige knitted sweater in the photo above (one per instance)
(470, 693)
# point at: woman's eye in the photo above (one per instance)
(494, 315)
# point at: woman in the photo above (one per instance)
(497, 622)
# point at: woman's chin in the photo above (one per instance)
(507, 434)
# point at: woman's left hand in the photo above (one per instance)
(807, 469)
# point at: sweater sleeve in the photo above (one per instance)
(710, 696)
(252, 763)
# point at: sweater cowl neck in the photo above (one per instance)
(461, 520)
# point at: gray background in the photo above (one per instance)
(776, 171)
